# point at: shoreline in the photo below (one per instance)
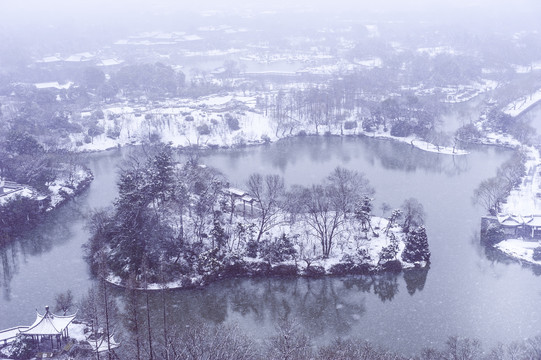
(413, 141)
(274, 271)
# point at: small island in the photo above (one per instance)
(182, 225)
(35, 180)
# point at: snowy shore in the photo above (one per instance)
(522, 104)
(220, 121)
(520, 249)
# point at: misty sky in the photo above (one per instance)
(60, 11)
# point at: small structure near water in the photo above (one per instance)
(527, 226)
(49, 326)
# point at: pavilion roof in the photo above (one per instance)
(48, 324)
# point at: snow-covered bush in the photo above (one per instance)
(416, 249)
(537, 253)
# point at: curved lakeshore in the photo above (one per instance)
(394, 170)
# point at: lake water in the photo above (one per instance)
(464, 293)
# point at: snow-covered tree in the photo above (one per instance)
(413, 214)
(268, 192)
(416, 249)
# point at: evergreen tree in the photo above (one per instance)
(416, 246)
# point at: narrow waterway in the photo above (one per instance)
(464, 292)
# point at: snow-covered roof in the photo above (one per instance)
(510, 220)
(86, 56)
(48, 324)
(109, 62)
(235, 191)
(49, 59)
(53, 84)
(533, 220)
(247, 198)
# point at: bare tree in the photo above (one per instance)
(413, 214)
(289, 343)
(490, 194)
(267, 192)
(348, 187)
(64, 301)
(320, 213)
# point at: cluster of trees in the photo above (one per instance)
(151, 80)
(335, 104)
(25, 161)
(520, 129)
(492, 192)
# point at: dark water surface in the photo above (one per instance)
(464, 293)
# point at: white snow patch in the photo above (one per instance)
(518, 106)
(519, 249)
(77, 331)
(526, 199)
(53, 85)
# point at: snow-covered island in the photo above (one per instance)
(196, 229)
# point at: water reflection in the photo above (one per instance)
(322, 306)
(54, 230)
(415, 279)
(290, 154)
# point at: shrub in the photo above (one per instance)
(188, 118)
(401, 129)
(537, 253)
(232, 122)
(348, 125)
(314, 270)
(203, 129)
(252, 247)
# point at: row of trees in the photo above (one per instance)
(492, 192)
(334, 105)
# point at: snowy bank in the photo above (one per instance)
(519, 106)
(219, 121)
(519, 249)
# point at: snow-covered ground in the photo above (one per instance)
(60, 190)
(519, 249)
(526, 199)
(418, 143)
(522, 104)
(180, 122)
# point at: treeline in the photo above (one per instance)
(180, 222)
(492, 192)
(342, 104)
(520, 129)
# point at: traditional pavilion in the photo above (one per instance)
(49, 326)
